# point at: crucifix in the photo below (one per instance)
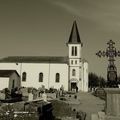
(111, 53)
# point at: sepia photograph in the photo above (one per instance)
(59, 60)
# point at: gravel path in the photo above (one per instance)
(88, 103)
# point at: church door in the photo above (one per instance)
(73, 86)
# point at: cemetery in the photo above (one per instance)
(30, 103)
(102, 103)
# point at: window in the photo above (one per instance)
(73, 72)
(57, 77)
(71, 61)
(72, 51)
(76, 62)
(75, 51)
(24, 76)
(40, 77)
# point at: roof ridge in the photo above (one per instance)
(35, 59)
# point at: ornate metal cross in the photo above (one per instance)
(110, 53)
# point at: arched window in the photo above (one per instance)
(72, 51)
(40, 77)
(57, 77)
(73, 72)
(75, 51)
(24, 75)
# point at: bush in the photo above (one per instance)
(52, 90)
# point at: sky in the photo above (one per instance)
(42, 28)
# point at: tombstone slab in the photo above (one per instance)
(30, 97)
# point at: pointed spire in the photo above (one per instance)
(74, 36)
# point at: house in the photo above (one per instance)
(69, 71)
(9, 79)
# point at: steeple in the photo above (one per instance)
(74, 36)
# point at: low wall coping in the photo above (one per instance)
(112, 90)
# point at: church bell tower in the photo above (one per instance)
(75, 62)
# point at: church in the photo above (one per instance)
(70, 71)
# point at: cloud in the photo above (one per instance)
(67, 7)
(100, 13)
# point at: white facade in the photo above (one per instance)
(9, 79)
(4, 82)
(85, 77)
(49, 71)
(32, 70)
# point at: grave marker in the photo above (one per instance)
(110, 53)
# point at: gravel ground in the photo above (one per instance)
(88, 103)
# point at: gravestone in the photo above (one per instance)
(30, 97)
(24, 92)
(2, 96)
(44, 96)
(94, 117)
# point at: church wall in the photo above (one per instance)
(80, 79)
(4, 82)
(77, 75)
(85, 77)
(17, 82)
(33, 69)
(62, 69)
(32, 74)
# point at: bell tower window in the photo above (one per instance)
(72, 51)
(75, 51)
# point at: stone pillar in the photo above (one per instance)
(112, 107)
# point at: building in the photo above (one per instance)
(69, 71)
(9, 79)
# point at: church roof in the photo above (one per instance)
(7, 73)
(34, 59)
(74, 36)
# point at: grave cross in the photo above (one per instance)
(111, 53)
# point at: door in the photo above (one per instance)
(73, 86)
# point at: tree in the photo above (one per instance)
(96, 81)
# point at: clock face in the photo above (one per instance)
(112, 76)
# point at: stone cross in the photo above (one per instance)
(111, 53)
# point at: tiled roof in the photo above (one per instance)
(34, 59)
(7, 73)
